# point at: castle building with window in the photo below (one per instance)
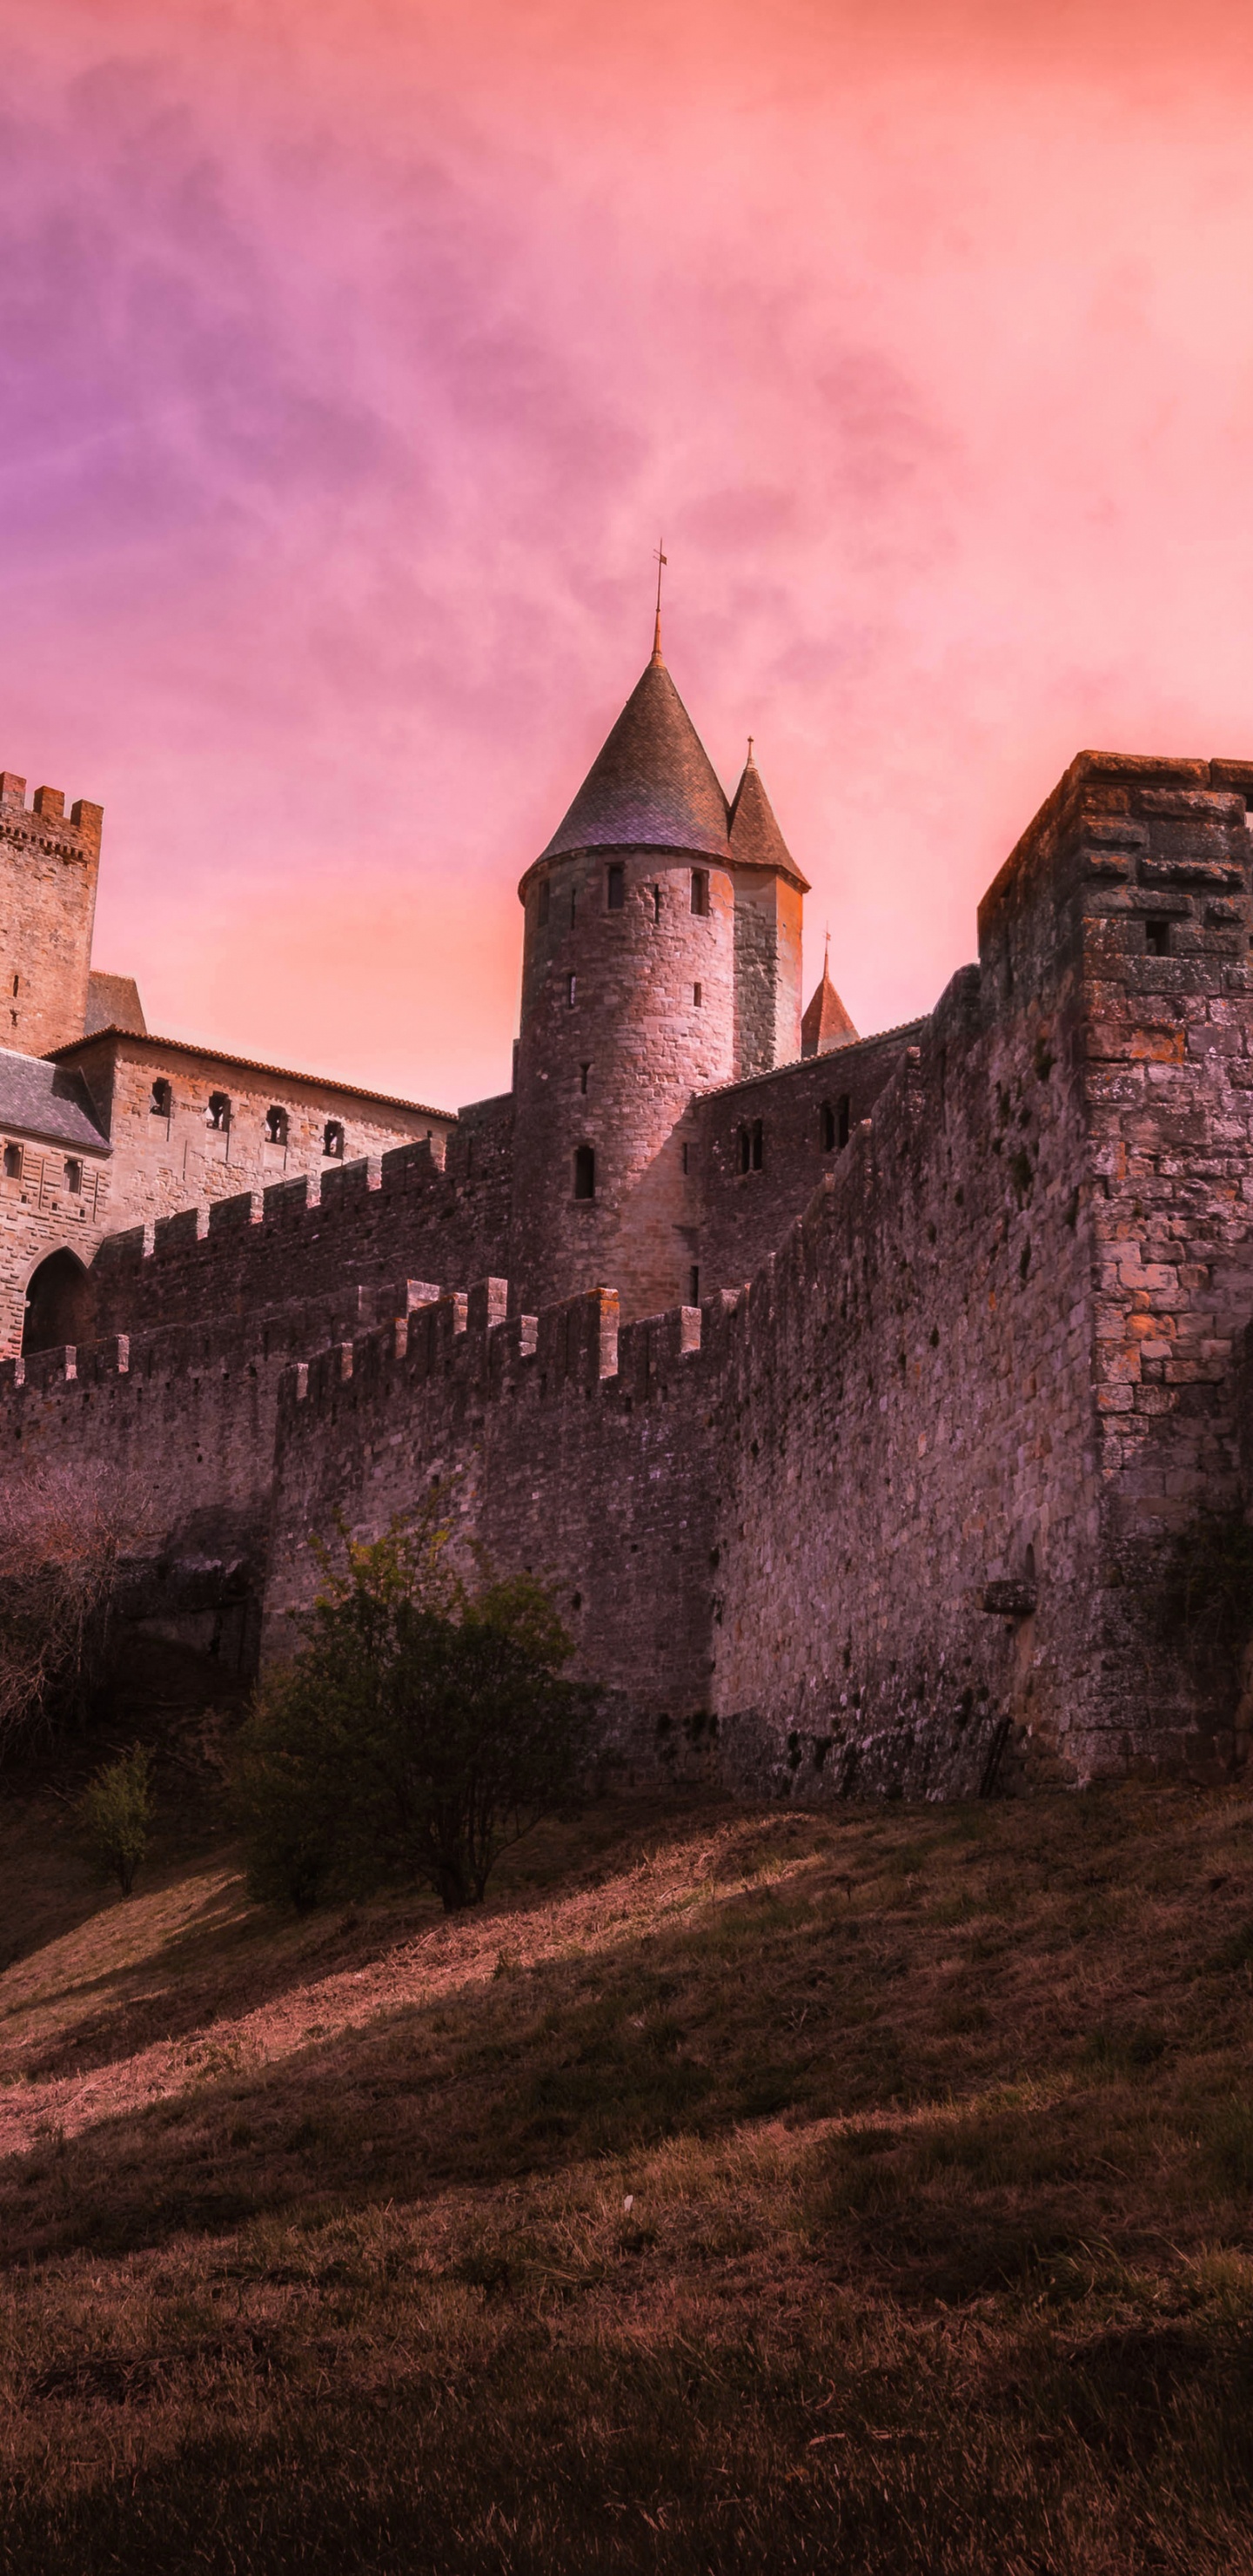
(861, 1398)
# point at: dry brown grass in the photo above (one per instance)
(741, 2191)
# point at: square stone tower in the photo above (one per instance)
(49, 863)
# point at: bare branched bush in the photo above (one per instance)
(64, 1535)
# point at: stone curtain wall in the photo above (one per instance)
(999, 1353)
(567, 1445)
(911, 1492)
(745, 1215)
(898, 1516)
(405, 1216)
(49, 863)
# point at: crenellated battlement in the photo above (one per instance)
(468, 1337)
(47, 806)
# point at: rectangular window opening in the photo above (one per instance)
(584, 1070)
(696, 994)
(656, 903)
(843, 1122)
(1157, 938)
(745, 1150)
(74, 1177)
(13, 1162)
(758, 1145)
(615, 886)
(584, 1172)
(700, 891)
(693, 1286)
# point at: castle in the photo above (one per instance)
(851, 1392)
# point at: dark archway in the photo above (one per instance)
(54, 1302)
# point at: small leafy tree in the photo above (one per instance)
(419, 1731)
(116, 1815)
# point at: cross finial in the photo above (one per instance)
(660, 559)
(750, 750)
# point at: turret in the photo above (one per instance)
(49, 862)
(628, 1008)
(769, 891)
(826, 1024)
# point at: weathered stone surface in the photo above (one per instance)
(856, 1413)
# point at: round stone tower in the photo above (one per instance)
(628, 1008)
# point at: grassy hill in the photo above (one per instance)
(742, 2190)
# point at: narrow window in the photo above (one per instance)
(758, 1145)
(696, 993)
(1157, 938)
(276, 1126)
(13, 1162)
(584, 1172)
(16, 982)
(656, 903)
(541, 908)
(218, 1113)
(333, 1140)
(828, 1128)
(700, 891)
(570, 981)
(584, 1070)
(693, 1286)
(74, 1177)
(159, 1105)
(616, 886)
(685, 1154)
(746, 1150)
(574, 904)
(843, 1122)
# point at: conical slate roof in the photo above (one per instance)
(651, 785)
(756, 841)
(826, 1023)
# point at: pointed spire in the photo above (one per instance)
(651, 785)
(756, 841)
(661, 560)
(826, 1024)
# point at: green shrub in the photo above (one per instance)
(419, 1731)
(116, 1815)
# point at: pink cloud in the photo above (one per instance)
(350, 360)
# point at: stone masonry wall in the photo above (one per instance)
(897, 1516)
(163, 1162)
(767, 970)
(612, 1062)
(184, 1420)
(39, 1214)
(995, 1362)
(49, 863)
(744, 1215)
(405, 1216)
(920, 1477)
(572, 1447)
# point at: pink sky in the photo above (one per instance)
(352, 358)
